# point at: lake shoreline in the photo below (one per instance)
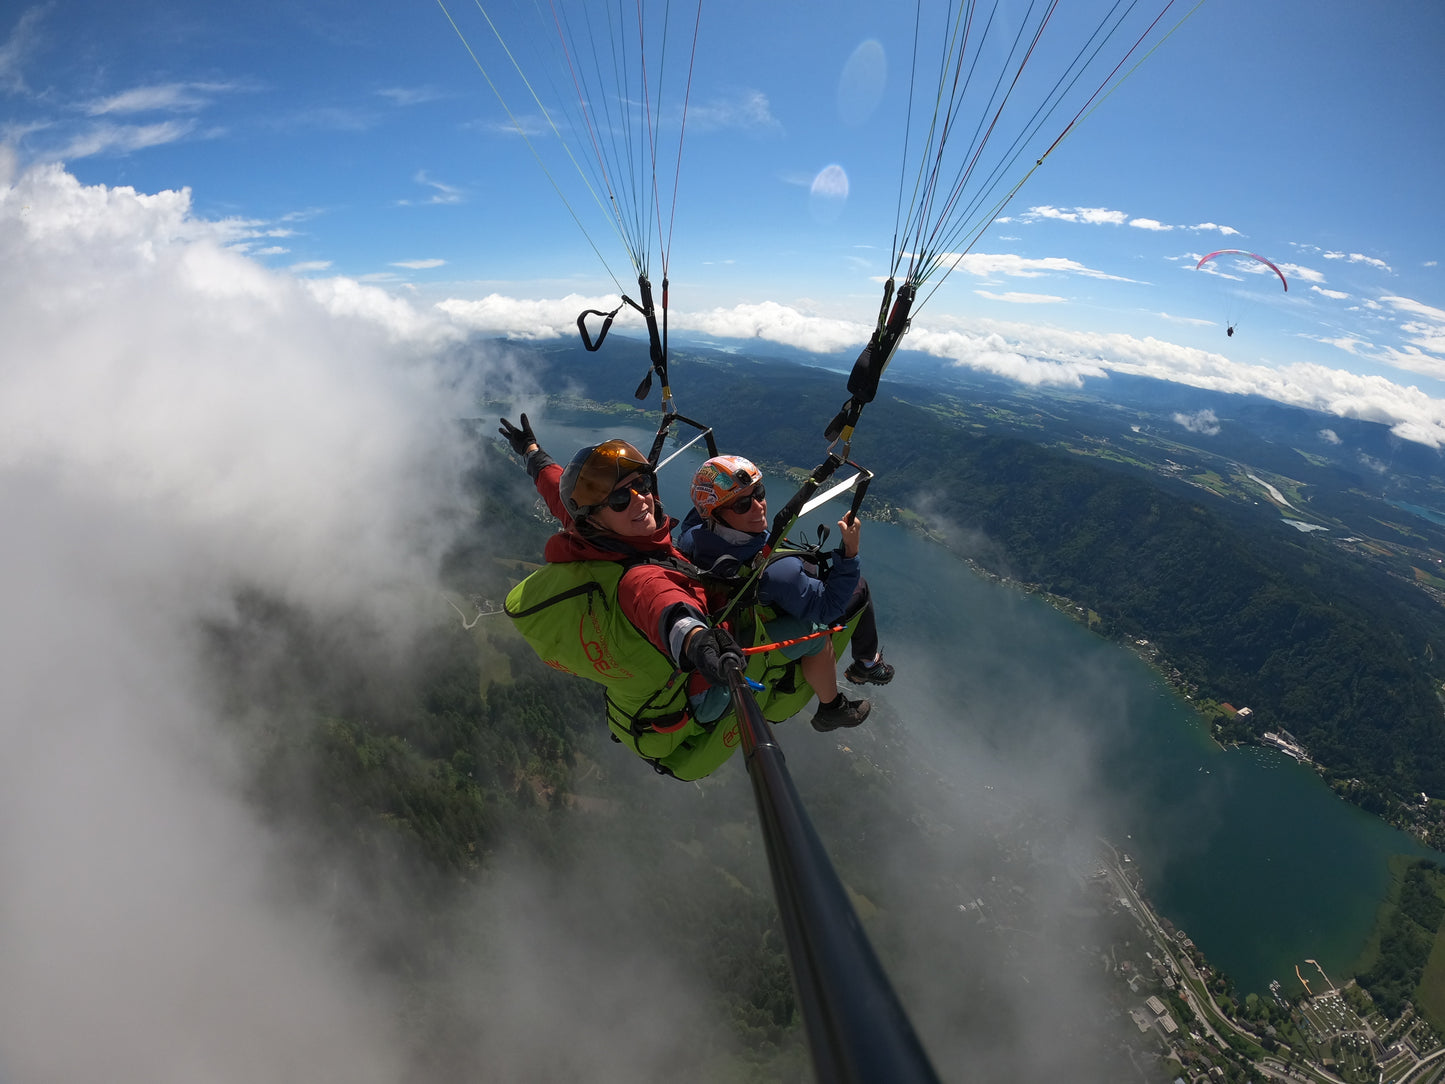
(1423, 821)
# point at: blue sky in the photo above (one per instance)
(359, 142)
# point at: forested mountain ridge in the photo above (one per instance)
(1336, 635)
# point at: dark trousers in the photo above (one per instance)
(864, 644)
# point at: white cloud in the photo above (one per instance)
(1294, 272)
(164, 97)
(527, 125)
(1026, 352)
(1214, 227)
(1203, 422)
(305, 267)
(748, 111)
(1428, 337)
(124, 138)
(1418, 308)
(1348, 343)
(777, 323)
(1424, 338)
(547, 318)
(985, 264)
(1102, 216)
(1334, 295)
(1329, 436)
(442, 194)
(405, 96)
(1356, 257)
(992, 352)
(1414, 360)
(1192, 321)
(178, 422)
(418, 265)
(1096, 216)
(1016, 298)
(14, 50)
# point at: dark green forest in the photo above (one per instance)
(1336, 654)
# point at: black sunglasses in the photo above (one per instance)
(621, 497)
(745, 502)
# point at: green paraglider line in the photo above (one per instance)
(522, 131)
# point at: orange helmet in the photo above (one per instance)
(594, 473)
(718, 482)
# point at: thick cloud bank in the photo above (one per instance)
(176, 421)
(1028, 353)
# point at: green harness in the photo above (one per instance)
(569, 615)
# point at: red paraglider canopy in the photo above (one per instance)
(1251, 255)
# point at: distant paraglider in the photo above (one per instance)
(1234, 323)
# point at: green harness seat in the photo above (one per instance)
(569, 615)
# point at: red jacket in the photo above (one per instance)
(653, 597)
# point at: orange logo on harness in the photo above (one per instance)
(594, 643)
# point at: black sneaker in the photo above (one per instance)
(880, 673)
(845, 713)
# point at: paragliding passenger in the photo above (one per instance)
(1229, 331)
(728, 525)
(607, 502)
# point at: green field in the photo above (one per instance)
(1429, 994)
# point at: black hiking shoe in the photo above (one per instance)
(843, 714)
(880, 673)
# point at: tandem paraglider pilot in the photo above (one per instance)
(618, 604)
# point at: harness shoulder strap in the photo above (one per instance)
(590, 587)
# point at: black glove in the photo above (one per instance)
(520, 439)
(712, 653)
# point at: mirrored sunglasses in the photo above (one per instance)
(621, 497)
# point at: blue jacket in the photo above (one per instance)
(787, 585)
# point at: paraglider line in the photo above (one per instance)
(682, 130)
(522, 131)
(759, 648)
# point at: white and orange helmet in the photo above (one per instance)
(718, 482)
